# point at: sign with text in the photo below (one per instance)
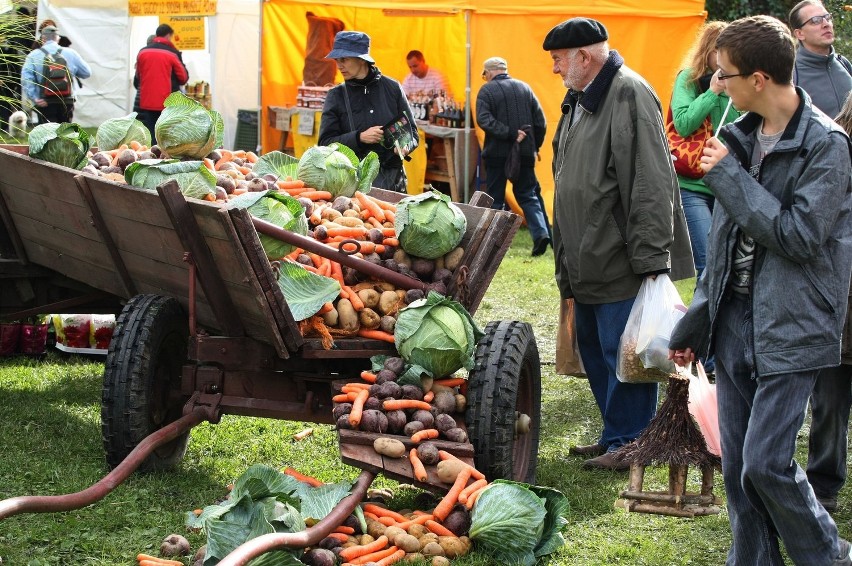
(171, 7)
(189, 31)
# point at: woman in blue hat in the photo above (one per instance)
(358, 112)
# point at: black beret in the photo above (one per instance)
(576, 32)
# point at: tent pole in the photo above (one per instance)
(260, 113)
(467, 110)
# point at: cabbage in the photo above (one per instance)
(117, 131)
(335, 168)
(60, 143)
(194, 179)
(438, 334)
(187, 129)
(279, 209)
(429, 225)
(305, 292)
(276, 163)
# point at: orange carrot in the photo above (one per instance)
(375, 557)
(443, 508)
(239, 191)
(390, 216)
(226, 154)
(425, 434)
(394, 404)
(344, 398)
(356, 301)
(384, 205)
(384, 512)
(136, 145)
(210, 197)
(387, 521)
(372, 516)
(450, 382)
(474, 473)
(364, 246)
(391, 559)
(294, 254)
(429, 396)
(156, 559)
(369, 207)
(470, 489)
(297, 184)
(337, 273)
(251, 157)
(353, 389)
(390, 242)
(355, 232)
(326, 307)
(339, 536)
(377, 335)
(439, 529)
(368, 376)
(244, 170)
(316, 195)
(419, 520)
(358, 408)
(471, 499)
(313, 482)
(417, 465)
(239, 153)
(361, 550)
(389, 232)
(345, 530)
(374, 222)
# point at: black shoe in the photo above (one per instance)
(540, 246)
(828, 502)
(589, 451)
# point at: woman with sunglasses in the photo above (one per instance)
(368, 110)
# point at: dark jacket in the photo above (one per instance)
(159, 72)
(375, 100)
(798, 212)
(826, 78)
(617, 210)
(503, 106)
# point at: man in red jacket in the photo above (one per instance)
(159, 72)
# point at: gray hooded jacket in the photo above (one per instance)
(798, 212)
(826, 78)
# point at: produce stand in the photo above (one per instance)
(204, 329)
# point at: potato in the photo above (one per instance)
(402, 258)
(387, 324)
(396, 421)
(440, 561)
(331, 318)
(415, 557)
(375, 528)
(424, 417)
(432, 549)
(453, 258)
(406, 542)
(390, 447)
(411, 427)
(366, 539)
(455, 435)
(369, 319)
(428, 453)
(373, 421)
(350, 221)
(445, 422)
(461, 403)
(444, 402)
(370, 297)
(427, 538)
(388, 302)
(393, 532)
(417, 530)
(448, 470)
(348, 318)
(329, 213)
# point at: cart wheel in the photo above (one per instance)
(142, 370)
(505, 379)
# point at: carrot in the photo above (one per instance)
(239, 153)
(297, 184)
(251, 157)
(155, 561)
(326, 307)
(142, 556)
(239, 191)
(425, 434)
(294, 254)
(451, 498)
(392, 559)
(303, 434)
(471, 499)
(364, 246)
(337, 273)
(244, 170)
(316, 195)
(384, 205)
(372, 516)
(470, 489)
(394, 404)
(377, 335)
(354, 232)
(226, 154)
(439, 529)
(376, 556)
(429, 396)
(345, 530)
(450, 382)
(390, 242)
(209, 163)
(374, 222)
(369, 207)
(361, 550)
(417, 465)
(368, 376)
(419, 520)
(210, 197)
(387, 521)
(313, 482)
(339, 536)
(356, 301)
(353, 389)
(384, 512)
(344, 398)
(389, 232)
(358, 408)
(474, 473)
(316, 215)
(136, 145)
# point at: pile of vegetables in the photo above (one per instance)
(62, 144)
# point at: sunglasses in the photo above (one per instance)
(817, 20)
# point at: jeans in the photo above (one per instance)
(759, 417)
(626, 408)
(525, 194)
(830, 403)
(698, 209)
(149, 119)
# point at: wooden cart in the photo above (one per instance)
(202, 322)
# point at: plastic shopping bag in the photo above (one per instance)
(704, 409)
(644, 348)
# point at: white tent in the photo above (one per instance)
(108, 38)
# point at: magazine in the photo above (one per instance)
(399, 134)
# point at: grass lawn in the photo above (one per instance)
(51, 444)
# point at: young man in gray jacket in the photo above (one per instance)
(772, 299)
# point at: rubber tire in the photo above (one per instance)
(505, 379)
(143, 367)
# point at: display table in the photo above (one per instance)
(446, 158)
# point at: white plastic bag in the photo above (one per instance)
(644, 348)
(704, 409)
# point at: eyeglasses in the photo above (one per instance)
(722, 77)
(817, 20)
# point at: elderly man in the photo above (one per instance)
(48, 77)
(617, 217)
(422, 77)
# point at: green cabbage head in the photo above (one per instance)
(335, 168)
(114, 132)
(188, 129)
(64, 144)
(429, 225)
(438, 334)
(276, 208)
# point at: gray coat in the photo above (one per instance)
(826, 78)
(617, 210)
(799, 216)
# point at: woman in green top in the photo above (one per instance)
(698, 93)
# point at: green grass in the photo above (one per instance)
(50, 444)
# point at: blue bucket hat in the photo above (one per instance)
(351, 44)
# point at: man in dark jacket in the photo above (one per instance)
(509, 113)
(159, 72)
(825, 76)
(772, 300)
